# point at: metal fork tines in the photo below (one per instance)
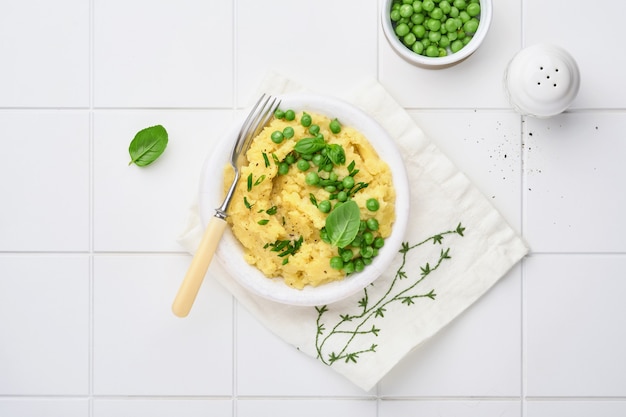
(258, 117)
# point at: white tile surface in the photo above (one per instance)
(576, 408)
(162, 407)
(309, 31)
(476, 408)
(44, 407)
(162, 54)
(89, 263)
(574, 180)
(495, 140)
(45, 181)
(45, 53)
(141, 348)
(574, 326)
(305, 408)
(44, 347)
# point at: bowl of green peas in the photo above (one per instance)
(436, 33)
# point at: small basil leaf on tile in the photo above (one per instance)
(147, 145)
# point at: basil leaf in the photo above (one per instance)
(147, 145)
(342, 224)
(336, 154)
(309, 145)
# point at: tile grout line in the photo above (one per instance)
(235, 92)
(90, 383)
(523, 180)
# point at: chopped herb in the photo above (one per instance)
(259, 180)
(263, 222)
(247, 204)
(313, 199)
(250, 182)
(267, 161)
(285, 247)
(272, 210)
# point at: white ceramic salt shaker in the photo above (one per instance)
(542, 80)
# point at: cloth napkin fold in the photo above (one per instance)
(457, 247)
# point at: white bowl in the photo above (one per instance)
(486, 12)
(230, 252)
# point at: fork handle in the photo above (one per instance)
(199, 265)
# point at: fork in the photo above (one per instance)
(256, 120)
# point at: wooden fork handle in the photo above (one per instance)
(199, 265)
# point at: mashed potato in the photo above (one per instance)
(268, 209)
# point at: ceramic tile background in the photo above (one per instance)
(89, 263)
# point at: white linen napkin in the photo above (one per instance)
(458, 246)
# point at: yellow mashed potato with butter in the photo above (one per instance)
(268, 208)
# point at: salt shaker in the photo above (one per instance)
(542, 80)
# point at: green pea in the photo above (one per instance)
(303, 164)
(318, 159)
(324, 235)
(306, 120)
(342, 196)
(368, 238)
(328, 167)
(379, 242)
(445, 6)
(417, 6)
(473, 9)
(314, 129)
(418, 48)
(471, 26)
(406, 10)
(395, 15)
(348, 267)
(277, 136)
(409, 39)
(290, 115)
(434, 37)
(347, 254)
(336, 262)
(335, 126)
(330, 188)
(372, 204)
(283, 168)
(419, 31)
(358, 239)
(451, 25)
(359, 265)
(460, 4)
(324, 206)
(368, 261)
(312, 178)
(288, 132)
(444, 42)
(366, 251)
(434, 25)
(372, 224)
(333, 176)
(436, 13)
(290, 159)
(432, 51)
(456, 46)
(418, 19)
(402, 29)
(347, 182)
(428, 5)
(279, 114)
